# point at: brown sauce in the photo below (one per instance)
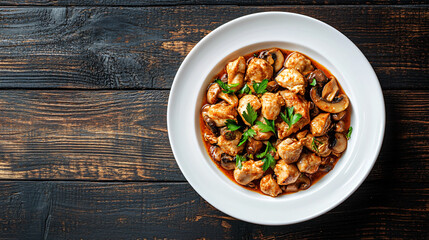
(315, 177)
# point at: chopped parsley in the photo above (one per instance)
(349, 133)
(261, 87)
(238, 161)
(226, 87)
(289, 117)
(313, 83)
(246, 135)
(267, 127)
(232, 125)
(250, 115)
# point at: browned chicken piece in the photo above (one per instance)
(271, 105)
(300, 106)
(220, 112)
(269, 186)
(258, 70)
(319, 145)
(308, 163)
(299, 62)
(228, 141)
(242, 105)
(236, 70)
(320, 124)
(286, 173)
(261, 136)
(289, 150)
(293, 80)
(229, 98)
(250, 171)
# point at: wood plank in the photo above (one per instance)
(103, 135)
(122, 135)
(87, 210)
(134, 48)
(140, 3)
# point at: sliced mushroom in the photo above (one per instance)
(320, 77)
(330, 90)
(320, 124)
(212, 93)
(302, 183)
(211, 125)
(216, 153)
(327, 164)
(276, 59)
(339, 145)
(272, 86)
(227, 162)
(339, 103)
(340, 126)
(338, 116)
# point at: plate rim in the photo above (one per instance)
(172, 96)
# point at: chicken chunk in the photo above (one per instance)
(308, 163)
(299, 62)
(250, 171)
(293, 80)
(271, 105)
(320, 124)
(242, 105)
(258, 70)
(236, 70)
(300, 106)
(286, 173)
(261, 136)
(220, 112)
(228, 142)
(269, 186)
(289, 150)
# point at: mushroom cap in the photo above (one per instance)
(339, 104)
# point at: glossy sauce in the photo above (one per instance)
(230, 173)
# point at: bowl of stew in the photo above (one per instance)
(272, 125)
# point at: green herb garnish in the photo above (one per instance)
(255, 54)
(232, 125)
(314, 146)
(313, 83)
(238, 161)
(245, 90)
(269, 161)
(226, 87)
(260, 88)
(289, 117)
(349, 133)
(246, 135)
(250, 115)
(268, 149)
(267, 127)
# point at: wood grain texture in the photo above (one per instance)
(122, 135)
(87, 210)
(102, 135)
(142, 47)
(196, 2)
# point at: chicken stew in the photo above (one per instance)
(275, 121)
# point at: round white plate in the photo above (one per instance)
(289, 31)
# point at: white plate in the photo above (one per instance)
(290, 31)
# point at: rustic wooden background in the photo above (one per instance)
(84, 152)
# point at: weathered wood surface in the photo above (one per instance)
(122, 135)
(140, 3)
(88, 210)
(142, 47)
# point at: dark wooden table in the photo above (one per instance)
(84, 152)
